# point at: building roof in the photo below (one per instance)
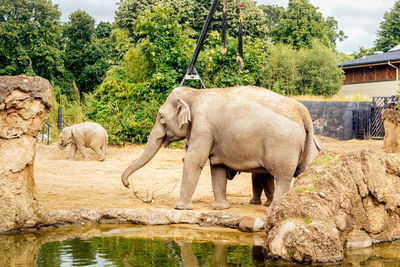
(392, 55)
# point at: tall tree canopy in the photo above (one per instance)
(389, 31)
(301, 23)
(30, 38)
(88, 49)
(194, 14)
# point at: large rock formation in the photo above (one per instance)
(346, 201)
(391, 122)
(24, 105)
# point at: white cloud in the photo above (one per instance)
(100, 10)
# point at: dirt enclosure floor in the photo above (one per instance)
(65, 184)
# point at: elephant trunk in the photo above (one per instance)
(60, 146)
(154, 143)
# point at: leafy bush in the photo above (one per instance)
(127, 101)
(220, 69)
(310, 71)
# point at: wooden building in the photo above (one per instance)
(376, 75)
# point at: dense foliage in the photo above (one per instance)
(301, 23)
(30, 34)
(87, 50)
(127, 101)
(118, 74)
(389, 32)
(289, 71)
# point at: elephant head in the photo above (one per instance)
(172, 124)
(65, 138)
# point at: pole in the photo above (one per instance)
(191, 73)
(240, 40)
(59, 122)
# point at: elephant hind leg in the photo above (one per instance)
(262, 182)
(100, 155)
(256, 182)
(269, 188)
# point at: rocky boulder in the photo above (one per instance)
(24, 105)
(391, 122)
(346, 201)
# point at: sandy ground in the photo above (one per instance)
(65, 184)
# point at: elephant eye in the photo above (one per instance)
(162, 119)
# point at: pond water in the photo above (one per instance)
(120, 251)
(178, 245)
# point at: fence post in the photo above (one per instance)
(59, 122)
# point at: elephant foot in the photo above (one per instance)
(268, 203)
(102, 159)
(255, 201)
(181, 205)
(221, 205)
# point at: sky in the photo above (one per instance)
(359, 19)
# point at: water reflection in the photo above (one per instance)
(112, 245)
(119, 251)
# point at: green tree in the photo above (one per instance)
(219, 69)
(279, 70)
(273, 14)
(103, 30)
(127, 100)
(302, 23)
(389, 31)
(362, 52)
(290, 71)
(318, 71)
(88, 50)
(194, 14)
(30, 39)
(129, 10)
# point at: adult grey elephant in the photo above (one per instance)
(246, 129)
(85, 134)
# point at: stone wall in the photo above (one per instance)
(340, 120)
(24, 105)
(391, 122)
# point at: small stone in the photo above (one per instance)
(358, 239)
(322, 194)
(340, 221)
(246, 224)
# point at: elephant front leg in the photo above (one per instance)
(219, 180)
(72, 152)
(282, 185)
(81, 149)
(193, 164)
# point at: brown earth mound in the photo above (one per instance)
(24, 104)
(348, 200)
(391, 121)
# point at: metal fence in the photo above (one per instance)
(379, 103)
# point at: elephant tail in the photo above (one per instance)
(312, 147)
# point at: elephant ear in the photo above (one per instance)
(66, 132)
(183, 113)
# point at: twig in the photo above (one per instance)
(153, 197)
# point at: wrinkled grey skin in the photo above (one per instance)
(246, 129)
(85, 134)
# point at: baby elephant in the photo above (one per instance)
(85, 134)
